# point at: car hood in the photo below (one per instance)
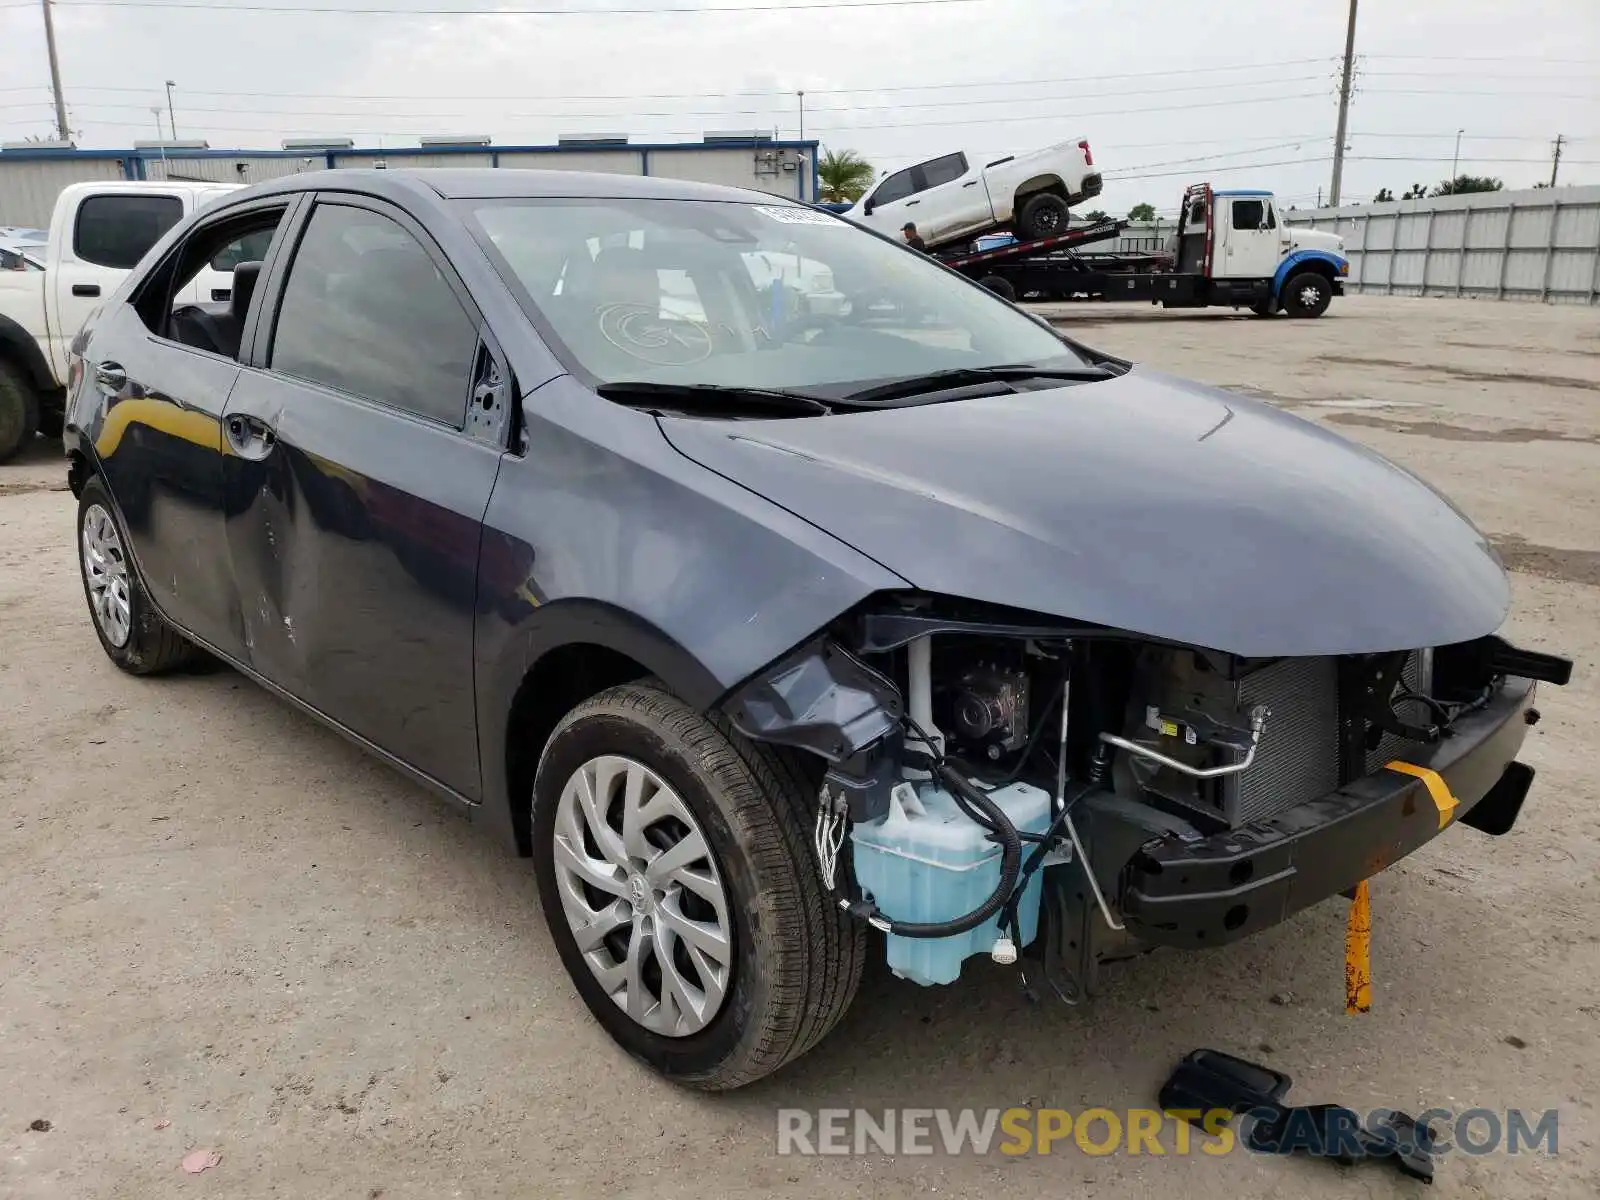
(1145, 503)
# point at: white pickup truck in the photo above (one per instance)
(98, 233)
(960, 195)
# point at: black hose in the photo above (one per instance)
(1010, 864)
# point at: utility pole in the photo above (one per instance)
(802, 96)
(1555, 164)
(1456, 158)
(172, 122)
(1344, 107)
(55, 74)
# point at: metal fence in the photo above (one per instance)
(1542, 244)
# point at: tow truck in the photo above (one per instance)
(1231, 249)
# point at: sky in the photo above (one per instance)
(1168, 92)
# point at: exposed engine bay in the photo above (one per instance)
(1007, 786)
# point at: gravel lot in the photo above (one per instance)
(225, 928)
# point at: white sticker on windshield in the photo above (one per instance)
(795, 216)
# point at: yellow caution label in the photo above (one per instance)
(1169, 728)
(1358, 953)
(1443, 799)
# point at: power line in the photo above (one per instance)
(330, 10)
(777, 92)
(777, 106)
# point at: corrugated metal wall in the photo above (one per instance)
(28, 189)
(1541, 244)
(609, 162)
(29, 182)
(244, 169)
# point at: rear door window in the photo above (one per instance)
(116, 230)
(365, 310)
(943, 170)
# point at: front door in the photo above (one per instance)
(886, 208)
(359, 493)
(1250, 238)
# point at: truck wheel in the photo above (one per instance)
(1045, 215)
(19, 411)
(675, 869)
(134, 636)
(1307, 294)
(1263, 308)
(1000, 286)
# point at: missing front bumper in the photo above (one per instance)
(1195, 892)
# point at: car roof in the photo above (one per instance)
(497, 183)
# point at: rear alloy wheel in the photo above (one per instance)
(1044, 215)
(674, 865)
(133, 635)
(1307, 294)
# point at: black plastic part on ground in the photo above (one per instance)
(1207, 1080)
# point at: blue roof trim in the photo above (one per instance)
(1243, 192)
(20, 155)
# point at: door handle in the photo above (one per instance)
(970, 183)
(86, 289)
(109, 377)
(250, 437)
(909, 203)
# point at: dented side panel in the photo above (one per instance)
(355, 546)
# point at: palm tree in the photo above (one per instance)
(844, 176)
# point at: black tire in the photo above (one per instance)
(1042, 216)
(152, 646)
(52, 422)
(796, 959)
(19, 411)
(1307, 294)
(1000, 286)
(1263, 308)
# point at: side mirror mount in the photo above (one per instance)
(868, 206)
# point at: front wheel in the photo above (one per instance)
(1307, 294)
(674, 865)
(1000, 286)
(19, 411)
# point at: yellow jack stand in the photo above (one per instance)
(1358, 953)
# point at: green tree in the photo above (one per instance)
(1415, 192)
(1143, 213)
(1462, 184)
(1383, 197)
(1096, 215)
(844, 175)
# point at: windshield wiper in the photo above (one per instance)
(702, 397)
(933, 381)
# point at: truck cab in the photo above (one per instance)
(1237, 242)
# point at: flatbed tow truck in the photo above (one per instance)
(1231, 249)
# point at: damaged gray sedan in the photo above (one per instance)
(787, 597)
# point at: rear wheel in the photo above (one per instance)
(675, 871)
(19, 411)
(134, 636)
(1263, 308)
(1307, 294)
(1044, 215)
(1000, 286)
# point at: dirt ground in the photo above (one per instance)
(224, 928)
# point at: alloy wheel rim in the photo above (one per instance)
(1310, 296)
(643, 896)
(105, 570)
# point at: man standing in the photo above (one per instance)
(913, 238)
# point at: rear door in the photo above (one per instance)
(950, 200)
(159, 442)
(360, 484)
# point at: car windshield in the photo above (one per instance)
(746, 295)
